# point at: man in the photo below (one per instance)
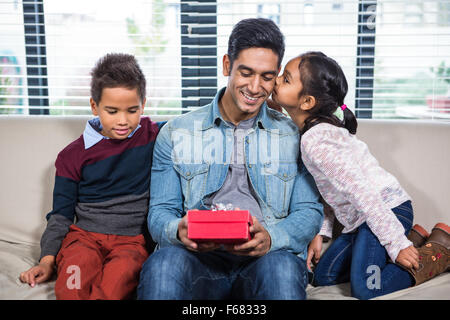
(235, 150)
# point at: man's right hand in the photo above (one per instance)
(192, 245)
(39, 273)
(314, 251)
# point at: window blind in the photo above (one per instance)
(199, 52)
(327, 26)
(412, 60)
(51, 73)
(395, 53)
(13, 81)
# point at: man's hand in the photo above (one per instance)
(192, 245)
(409, 258)
(39, 273)
(256, 247)
(314, 250)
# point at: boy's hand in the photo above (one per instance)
(314, 250)
(258, 246)
(409, 258)
(192, 245)
(39, 273)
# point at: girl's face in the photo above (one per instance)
(288, 86)
(286, 93)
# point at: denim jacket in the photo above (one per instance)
(191, 157)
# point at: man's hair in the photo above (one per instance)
(117, 70)
(255, 33)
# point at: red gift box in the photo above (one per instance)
(219, 226)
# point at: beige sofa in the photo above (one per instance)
(418, 153)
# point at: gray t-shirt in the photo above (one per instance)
(237, 188)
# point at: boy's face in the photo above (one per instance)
(251, 81)
(119, 110)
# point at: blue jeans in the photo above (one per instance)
(174, 273)
(359, 257)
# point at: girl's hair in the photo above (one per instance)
(324, 79)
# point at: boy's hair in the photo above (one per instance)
(117, 70)
(323, 78)
(255, 33)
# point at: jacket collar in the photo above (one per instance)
(214, 117)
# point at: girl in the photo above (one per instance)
(369, 202)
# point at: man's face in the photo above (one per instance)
(250, 83)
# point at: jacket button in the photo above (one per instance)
(188, 174)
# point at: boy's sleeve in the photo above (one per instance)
(65, 195)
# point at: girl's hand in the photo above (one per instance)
(314, 250)
(39, 273)
(409, 258)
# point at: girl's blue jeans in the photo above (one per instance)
(359, 257)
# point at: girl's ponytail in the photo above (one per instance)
(350, 122)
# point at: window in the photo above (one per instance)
(13, 81)
(395, 53)
(78, 33)
(269, 11)
(412, 60)
(306, 25)
(336, 5)
(308, 13)
(413, 13)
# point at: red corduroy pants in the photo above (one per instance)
(93, 266)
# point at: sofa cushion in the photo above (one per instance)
(15, 258)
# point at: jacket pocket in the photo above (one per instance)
(279, 180)
(193, 182)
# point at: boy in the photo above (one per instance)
(102, 180)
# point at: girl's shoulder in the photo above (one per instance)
(322, 132)
(324, 142)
